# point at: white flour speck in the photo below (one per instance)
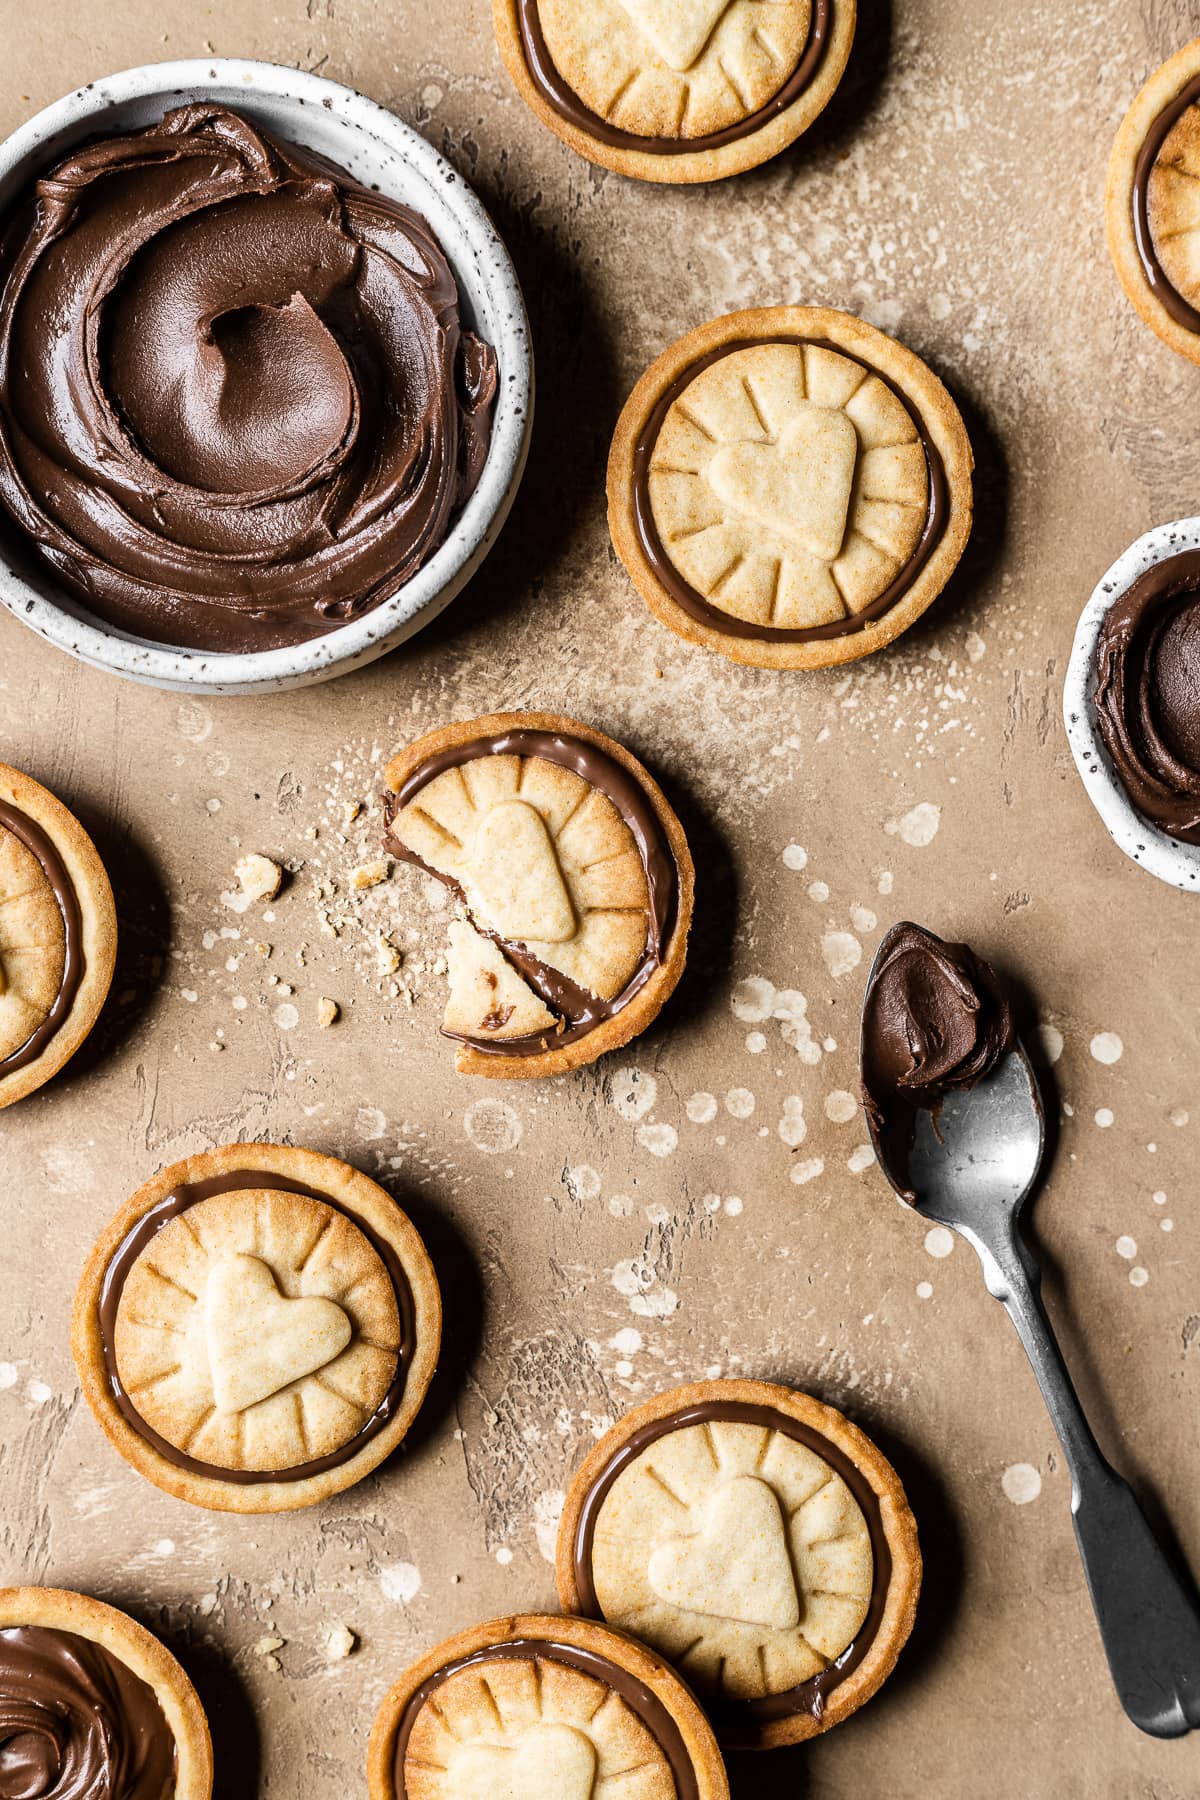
(862, 918)
(842, 952)
(924, 1290)
(1021, 1483)
(739, 1102)
(8, 1375)
(1179, 1116)
(1139, 1277)
(756, 1042)
(860, 1159)
(371, 1122)
(887, 881)
(633, 1093)
(620, 1206)
(752, 1000)
(39, 1393)
(840, 1107)
(702, 1108)
(659, 1303)
(818, 892)
(804, 1172)
(582, 1182)
(795, 857)
(659, 1140)
(734, 1206)
(626, 1342)
(792, 1127)
(1126, 1247)
(400, 1582)
(492, 1126)
(918, 827)
(975, 647)
(286, 1016)
(1051, 1041)
(1104, 1117)
(1107, 1047)
(938, 1241)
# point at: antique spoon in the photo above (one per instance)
(972, 1170)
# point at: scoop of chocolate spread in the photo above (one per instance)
(237, 406)
(1148, 693)
(935, 1017)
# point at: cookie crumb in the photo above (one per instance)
(387, 957)
(258, 879)
(369, 875)
(266, 1648)
(339, 1642)
(328, 1011)
(352, 809)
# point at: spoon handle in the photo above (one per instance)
(1149, 1618)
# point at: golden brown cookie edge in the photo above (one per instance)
(921, 386)
(900, 1529)
(360, 1195)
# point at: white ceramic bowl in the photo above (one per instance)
(1151, 848)
(376, 148)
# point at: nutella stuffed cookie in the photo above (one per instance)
(676, 90)
(58, 935)
(574, 884)
(758, 1540)
(92, 1707)
(257, 1328)
(789, 486)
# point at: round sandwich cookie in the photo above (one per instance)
(574, 883)
(538, 1708)
(758, 1540)
(789, 486)
(676, 90)
(257, 1328)
(58, 935)
(92, 1707)
(1152, 202)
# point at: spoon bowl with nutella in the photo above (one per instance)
(957, 1122)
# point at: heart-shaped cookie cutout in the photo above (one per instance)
(800, 487)
(514, 875)
(551, 1762)
(260, 1341)
(737, 1566)
(677, 29)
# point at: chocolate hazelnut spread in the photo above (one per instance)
(41, 845)
(652, 1712)
(1168, 295)
(172, 1204)
(734, 1715)
(237, 405)
(567, 104)
(685, 595)
(1147, 696)
(578, 1010)
(935, 1017)
(76, 1723)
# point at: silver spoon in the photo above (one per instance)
(974, 1173)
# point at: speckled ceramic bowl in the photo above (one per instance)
(1151, 848)
(377, 149)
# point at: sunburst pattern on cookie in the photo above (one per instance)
(32, 944)
(738, 1553)
(789, 485)
(544, 860)
(1173, 199)
(258, 1330)
(532, 1730)
(675, 68)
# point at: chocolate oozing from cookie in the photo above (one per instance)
(1147, 696)
(1165, 211)
(237, 404)
(16, 953)
(566, 102)
(824, 537)
(555, 1004)
(241, 1387)
(545, 1656)
(935, 1018)
(76, 1723)
(739, 1716)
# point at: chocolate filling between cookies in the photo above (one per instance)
(40, 844)
(76, 1722)
(178, 1200)
(694, 603)
(567, 104)
(579, 1010)
(641, 1700)
(1163, 289)
(1147, 695)
(809, 1696)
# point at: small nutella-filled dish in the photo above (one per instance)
(676, 90)
(1152, 202)
(936, 1017)
(58, 935)
(758, 1540)
(574, 883)
(789, 486)
(257, 1328)
(1131, 701)
(92, 1707)
(542, 1708)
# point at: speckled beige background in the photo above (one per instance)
(701, 1205)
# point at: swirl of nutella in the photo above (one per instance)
(1147, 696)
(76, 1723)
(935, 1018)
(237, 406)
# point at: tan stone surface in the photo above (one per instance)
(635, 1224)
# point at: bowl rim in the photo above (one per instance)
(491, 272)
(1144, 843)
